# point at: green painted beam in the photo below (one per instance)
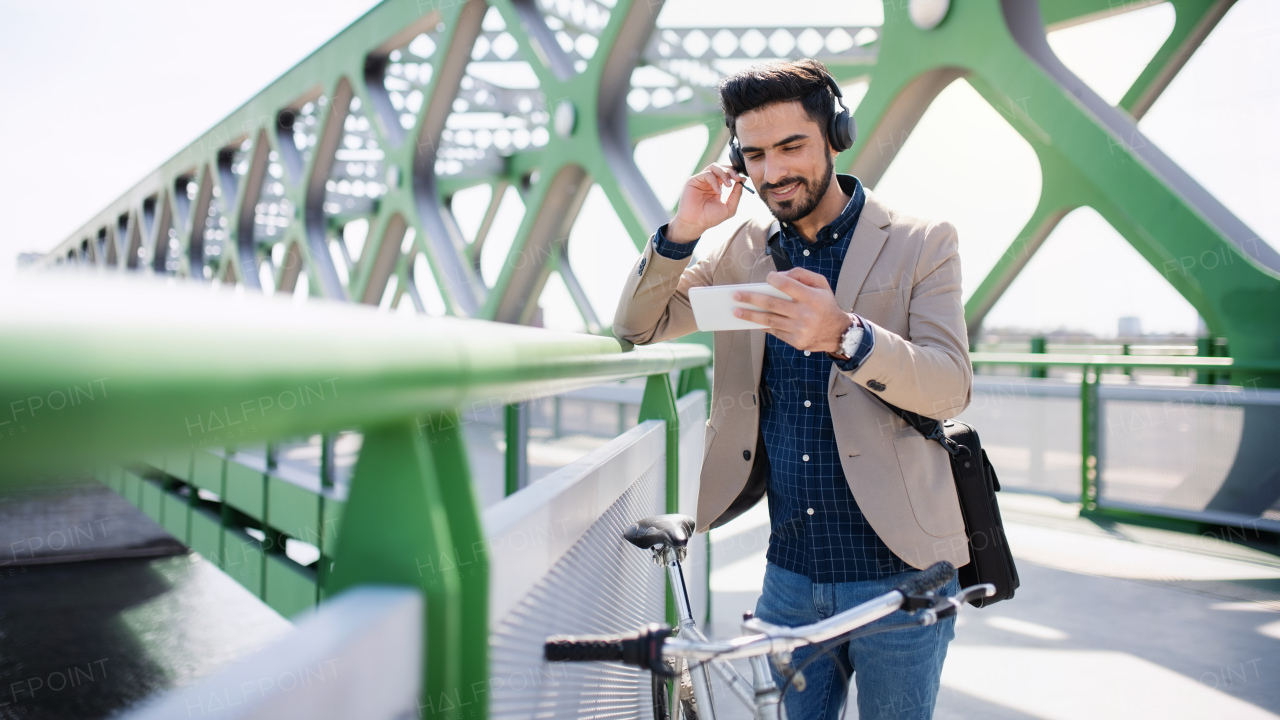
(1089, 157)
(153, 368)
(402, 526)
(659, 403)
(1062, 187)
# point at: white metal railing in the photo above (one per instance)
(558, 564)
(358, 656)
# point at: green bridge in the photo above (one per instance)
(285, 345)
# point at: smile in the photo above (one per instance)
(785, 192)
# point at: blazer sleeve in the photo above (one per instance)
(655, 299)
(928, 372)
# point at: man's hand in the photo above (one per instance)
(700, 205)
(814, 321)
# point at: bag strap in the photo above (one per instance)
(926, 426)
(781, 259)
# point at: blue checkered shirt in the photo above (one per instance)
(817, 528)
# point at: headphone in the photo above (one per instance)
(842, 131)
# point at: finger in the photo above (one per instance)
(708, 186)
(768, 303)
(767, 319)
(809, 277)
(789, 285)
(727, 177)
(734, 196)
(713, 177)
(720, 174)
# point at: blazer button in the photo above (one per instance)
(746, 454)
(875, 385)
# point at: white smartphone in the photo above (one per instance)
(713, 306)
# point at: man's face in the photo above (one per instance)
(787, 158)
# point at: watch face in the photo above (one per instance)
(849, 343)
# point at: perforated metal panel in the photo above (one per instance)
(1030, 428)
(599, 584)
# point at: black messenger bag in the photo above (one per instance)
(990, 560)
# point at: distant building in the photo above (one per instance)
(1130, 326)
(29, 259)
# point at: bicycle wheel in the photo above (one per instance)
(661, 698)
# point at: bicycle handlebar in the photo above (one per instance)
(647, 648)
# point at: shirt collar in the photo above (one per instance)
(840, 228)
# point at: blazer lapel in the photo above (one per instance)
(864, 248)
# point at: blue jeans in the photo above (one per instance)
(897, 671)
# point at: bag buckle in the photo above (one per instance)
(954, 448)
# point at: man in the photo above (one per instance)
(857, 498)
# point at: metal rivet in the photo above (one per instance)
(566, 118)
(806, 253)
(810, 511)
(928, 14)
(805, 458)
(807, 403)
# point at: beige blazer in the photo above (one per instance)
(902, 276)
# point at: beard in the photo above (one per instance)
(808, 195)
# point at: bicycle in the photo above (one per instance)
(686, 655)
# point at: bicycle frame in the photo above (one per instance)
(762, 695)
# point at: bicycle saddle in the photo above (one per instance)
(669, 530)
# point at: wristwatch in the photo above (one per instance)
(851, 339)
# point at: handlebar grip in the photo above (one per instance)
(585, 648)
(929, 580)
(642, 649)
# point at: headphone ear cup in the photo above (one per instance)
(844, 131)
(736, 159)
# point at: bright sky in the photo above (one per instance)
(102, 93)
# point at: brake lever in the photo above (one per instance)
(939, 607)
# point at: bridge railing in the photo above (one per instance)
(1196, 454)
(157, 390)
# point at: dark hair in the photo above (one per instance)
(774, 82)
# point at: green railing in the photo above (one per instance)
(149, 388)
(1091, 368)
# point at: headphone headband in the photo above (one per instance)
(841, 132)
(835, 87)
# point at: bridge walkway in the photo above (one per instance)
(1112, 621)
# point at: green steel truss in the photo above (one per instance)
(419, 100)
